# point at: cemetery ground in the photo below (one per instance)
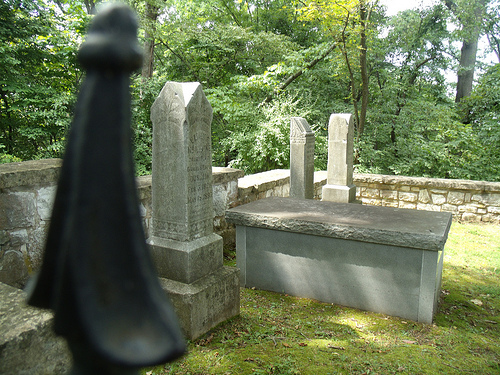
(281, 334)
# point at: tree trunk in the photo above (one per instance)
(90, 6)
(149, 48)
(364, 16)
(468, 53)
(495, 45)
(149, 41)
(466, 68)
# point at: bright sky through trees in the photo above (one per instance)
(395, 6)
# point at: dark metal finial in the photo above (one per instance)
(97, 275)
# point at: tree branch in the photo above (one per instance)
(297, 74)
(180, 57)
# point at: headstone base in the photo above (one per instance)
(202, 305)
(189, 261)
(339, 193)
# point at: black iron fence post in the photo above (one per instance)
(97, 275)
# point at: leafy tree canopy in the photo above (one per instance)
(260, 63)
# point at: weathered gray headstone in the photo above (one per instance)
(339, 185)
(187, 254)
(182, 184)
(301, 159)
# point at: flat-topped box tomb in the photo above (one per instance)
(380, 259)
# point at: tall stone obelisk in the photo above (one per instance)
(187, 254)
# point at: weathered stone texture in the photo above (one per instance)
(466, 200)
(17, 210)
(183, 246)
(408, 197)
(389, 194)
(302, 141)
(340, 187)
(38, 179)
(428, 207)
(390, 203)
(371, 193)
(25, 212)
(262, 185)
(28, 345)
(374, 258)
(494, 210)
(438, 199)
(423, 196)
(29, 173)
(408, 205)
(456, 197)
(371, 202)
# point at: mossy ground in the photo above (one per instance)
(280, 334)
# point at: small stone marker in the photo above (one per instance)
(301, 159)
(187, 254)
(339, 185)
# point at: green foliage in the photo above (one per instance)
(482, 112)
(254, 59)
(256, 136)
(144, 93)
(430, 142)
(38, 77)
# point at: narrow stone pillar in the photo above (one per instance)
(301, 159)
(339, 185)
(186, 252)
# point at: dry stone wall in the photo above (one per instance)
(275, 183)
(27, 191)
(477, 201)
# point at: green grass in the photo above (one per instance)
(280, 334)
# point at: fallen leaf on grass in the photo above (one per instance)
(286, 345)
(335, 347)
(477, 302)
(302, 344)
(409, 342)
(206, 341)
(491, 321)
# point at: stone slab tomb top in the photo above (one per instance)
(391, 226)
